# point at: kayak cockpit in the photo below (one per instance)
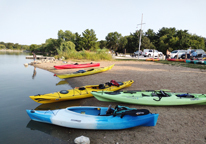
(95, 111)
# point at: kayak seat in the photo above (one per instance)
(145, 94)
(64, 91)
(120, 83)
(82, 88)
(80, 71)
(185, 96)
(113, 93)
(90, 70)
(130, 92)
(101, 86)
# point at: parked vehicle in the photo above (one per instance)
(138, 52)
(178, 53)
(150, 53)
(200, 52)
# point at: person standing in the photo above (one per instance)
(194, 54)
(34, 56)
(167, 54)
(189, 52)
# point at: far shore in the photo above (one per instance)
(10, 50)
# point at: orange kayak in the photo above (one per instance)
(151, 59)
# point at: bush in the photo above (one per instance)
(71, 53)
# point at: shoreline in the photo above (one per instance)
(9, 50)
(176, 124)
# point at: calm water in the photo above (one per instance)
(17, 83)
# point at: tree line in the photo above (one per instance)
(165, 38)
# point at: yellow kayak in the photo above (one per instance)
(83, 73)
(79, 92)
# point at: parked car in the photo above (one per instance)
(138, 52)
(178, 53)
(200, 52)
(150, 53)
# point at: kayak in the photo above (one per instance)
(151, 97)
(179, 60)
(76, 65)
(190, 61)
(151, 59)
(97, 118)
(80, 92)
(84, 72)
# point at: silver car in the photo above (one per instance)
(177, 53)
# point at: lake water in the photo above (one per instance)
(17, 83)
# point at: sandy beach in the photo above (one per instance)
(176, 124)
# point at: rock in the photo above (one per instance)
(82, 140)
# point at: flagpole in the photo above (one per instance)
(140, 36)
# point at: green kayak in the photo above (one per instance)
(151, 97)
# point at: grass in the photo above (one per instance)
(101, 54)
(183, 64)
(173, 63)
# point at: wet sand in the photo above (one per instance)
(176, 124)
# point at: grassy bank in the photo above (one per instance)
(173, 63)
(100, 54)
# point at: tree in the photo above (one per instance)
(78, 42)
(69, 36)
(102, 44)
(2, 46)
(146, 44)
(89, 39)
(52, 45)
(113, 39)
(61, 34)
(122, 44)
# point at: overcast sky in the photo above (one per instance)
(34, 21)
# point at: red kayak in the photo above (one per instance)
(179, 60)
(76, 65)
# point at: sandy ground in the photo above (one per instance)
(176, 124)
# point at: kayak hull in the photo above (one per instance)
(146, 98)
(73, 66)
(91, 118)
(77, 93)
(88, 72)
(178, 60)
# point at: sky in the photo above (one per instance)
(33, 21)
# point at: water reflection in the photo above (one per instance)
(62, 82)
(52, 130)
(59, 105)
(34, 73)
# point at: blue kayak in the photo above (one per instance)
(99, 118)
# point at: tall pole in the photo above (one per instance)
(140, 36)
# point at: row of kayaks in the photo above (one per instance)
(108, 118)
(189, 61)
(109, 92)
(91, 117)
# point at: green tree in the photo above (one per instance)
(102, 44)
(61, 34)
(52, 45)
(9, 45)
(69, 36)
(89, 40)
(146, 44)
(79, 44)
(2, 46)
(122, 44)
(113, 39)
